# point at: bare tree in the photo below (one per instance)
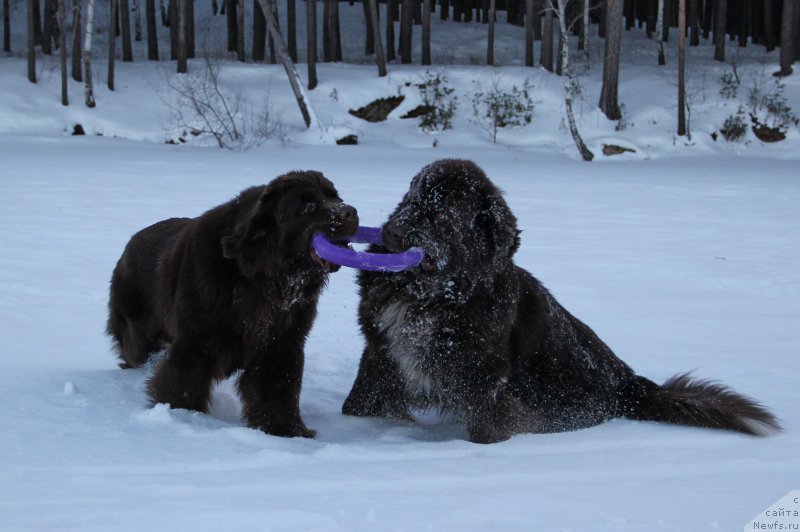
(787, 38)
(529, 5)
(183, 66)
(259, 34)
(311, 25)
(376, 32)
(87, 54)
(660, 33)
(31, 43)
(62, 20)
(291, 72)
(406, 28)
(720, 19)
(137, 20)
(239, 29)
(112, 42)
(291, 28)
(390, 49)
(490, 40)
(6, 26)
(77, 43)
(546, 51)
(152, 36)
(559, 8)
(681, 67)
(426, 32)
(125, 22)
(609, 103)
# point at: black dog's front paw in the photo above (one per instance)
(503, 419)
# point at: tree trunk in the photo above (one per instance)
(183, 66)
(274, 6)
(125, 20)
(743, 16)
(87, 54)
(327, 54)
(112, 44)
(569, 80)
(240, 56)
(694, 22)
(62, 21)
(31, 44)
(49, 26)
(720, 19)
(584, 31)
(232, 20)
(426, 32)
(189, 29)
(546, 52)
(406, 26)
(490, 40)
(336, 34)
(291, 72)
(681, 68)
(529, 33)
(152, 36)
(769, 33)
(259, 33)
(291, 29)
(137, 20)
(376, 30)
(311, 44)
(390, 49)
(77, 48)
(560, 41)
(6, 26)
(369, 44)
(787, 37)
(172, 9)
(608, 92)
(660, 33)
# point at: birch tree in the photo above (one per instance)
(559, 8)
(87, 54)
(291, 72)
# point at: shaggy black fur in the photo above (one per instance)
(470, 332)
(234, 289)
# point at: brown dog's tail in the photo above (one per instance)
(684, 400)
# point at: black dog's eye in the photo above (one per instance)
(436, 217)
(310, 207)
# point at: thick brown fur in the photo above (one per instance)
(234, 289)
(470, 332)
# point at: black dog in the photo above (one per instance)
(470, 332)
(235, 288)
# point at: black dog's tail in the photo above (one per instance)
(684, 400)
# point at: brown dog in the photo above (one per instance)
(234, 289)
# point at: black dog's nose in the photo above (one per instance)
(392, 237)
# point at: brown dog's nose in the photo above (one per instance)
(348, 213)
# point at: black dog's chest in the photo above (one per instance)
(420, 343)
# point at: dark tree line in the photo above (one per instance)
(767, 23)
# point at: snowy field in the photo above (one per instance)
(678, 264)
(682, 256)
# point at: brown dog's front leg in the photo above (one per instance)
(269, 388)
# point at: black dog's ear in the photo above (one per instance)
(497, 228)
(230, 245)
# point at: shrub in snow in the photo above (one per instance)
(437, 96)
(200, 103)
(730, 86)
(769, 106)
(734, 128)
(500, 107)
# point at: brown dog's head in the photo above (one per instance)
(458, 216)
(277, 231)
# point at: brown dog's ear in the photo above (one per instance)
(252, 227)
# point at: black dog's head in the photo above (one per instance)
(457, 215)
(284, 217)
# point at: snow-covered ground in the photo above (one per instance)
(684, 255)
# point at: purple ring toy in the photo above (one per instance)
(375, 262)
